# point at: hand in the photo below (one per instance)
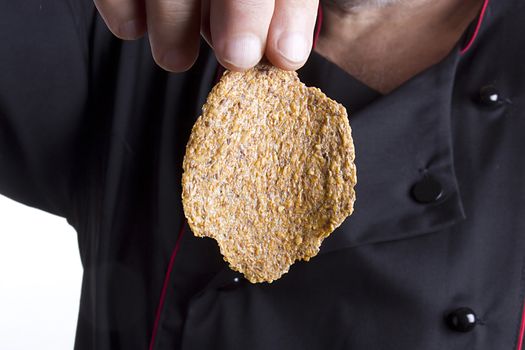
(239, 31)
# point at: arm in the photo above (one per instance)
(43, 92)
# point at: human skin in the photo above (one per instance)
(380, 42)
(384, 46)
(241, 32)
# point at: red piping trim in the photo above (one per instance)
(478, 26)
(522, 329)
(165, 288)
(318, 25)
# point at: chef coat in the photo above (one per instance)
(432, 258)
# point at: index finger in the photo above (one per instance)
(291, 33)
(238, 30)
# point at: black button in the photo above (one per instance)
(462, 320)
(427, 190)
(489, 96)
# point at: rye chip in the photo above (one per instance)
(269, 171)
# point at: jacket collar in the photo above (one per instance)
(399, 139)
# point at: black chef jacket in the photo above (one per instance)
(432, 258)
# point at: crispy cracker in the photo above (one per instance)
(269, 171)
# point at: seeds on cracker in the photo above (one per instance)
(269, 171)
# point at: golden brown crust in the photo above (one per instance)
(269, 171)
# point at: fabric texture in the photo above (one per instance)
(92, 130)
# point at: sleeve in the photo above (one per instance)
(44, 54)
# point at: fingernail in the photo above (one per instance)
(243, 51)
(173, 61)
(294, 47)
(129, 29)
(169, 60)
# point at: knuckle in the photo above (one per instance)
(252, 7)
(251, 3)
(308, 6)
(174, 9)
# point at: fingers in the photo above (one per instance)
(291, 33)
(242, 31)
(173, 29)
(238, 31)
(125, 18)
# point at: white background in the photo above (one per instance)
(40, 278)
